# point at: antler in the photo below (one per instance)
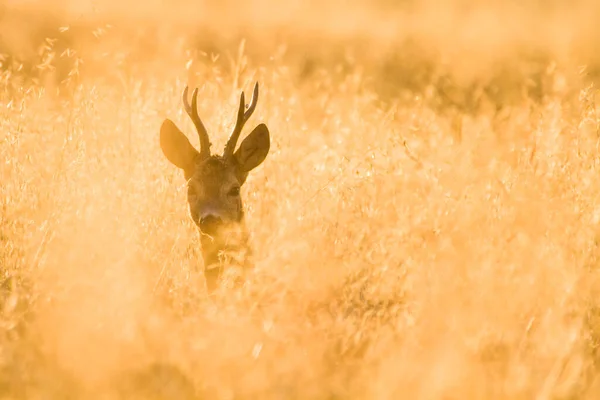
(242, 117)
(192, 111)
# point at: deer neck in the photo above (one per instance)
(226, 256)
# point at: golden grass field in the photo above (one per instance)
(424, 227)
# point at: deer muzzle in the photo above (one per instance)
(210, 224)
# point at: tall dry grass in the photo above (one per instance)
(424, 227)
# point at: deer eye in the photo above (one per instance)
(234, 191)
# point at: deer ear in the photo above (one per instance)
(176, 147)
(254, 149)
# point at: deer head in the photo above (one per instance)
(214, 181)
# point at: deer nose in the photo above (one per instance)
(210, 223)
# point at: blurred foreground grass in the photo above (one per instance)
(425, 225)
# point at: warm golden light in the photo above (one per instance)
(425, 225)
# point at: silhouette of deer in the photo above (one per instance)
(214, 182)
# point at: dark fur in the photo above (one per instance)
(213, 192)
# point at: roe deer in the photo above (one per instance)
(213, 181)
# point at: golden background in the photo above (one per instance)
(424, 227)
